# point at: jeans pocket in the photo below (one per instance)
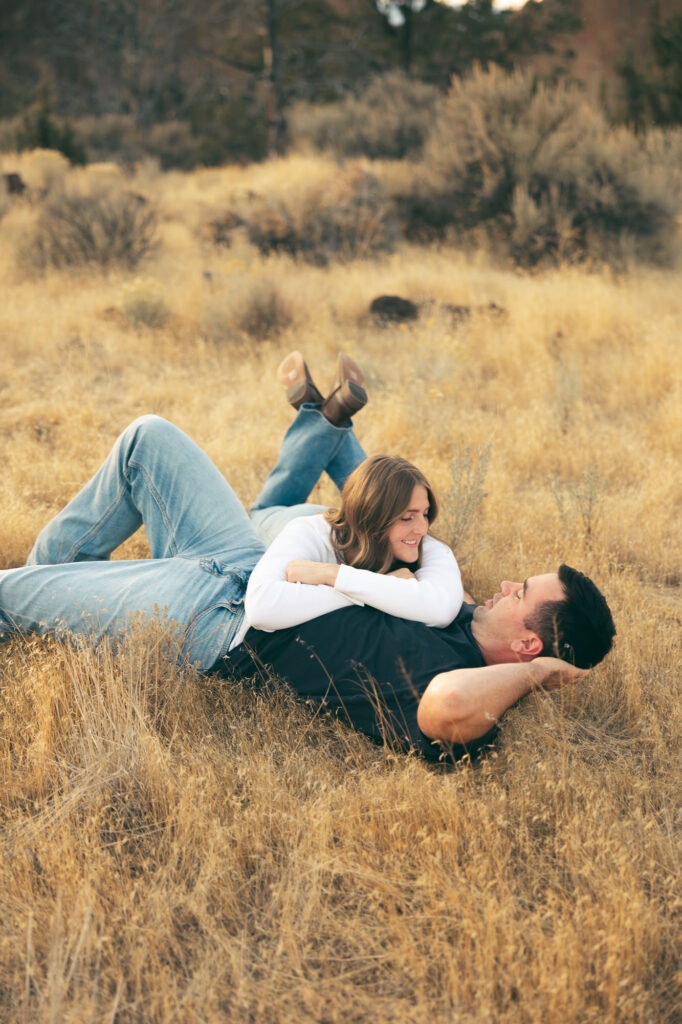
(228, 569)
(235, 580)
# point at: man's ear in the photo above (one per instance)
(527, 647)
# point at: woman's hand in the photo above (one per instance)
(402, 574)
(302, 570)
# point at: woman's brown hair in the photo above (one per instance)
(374, 496)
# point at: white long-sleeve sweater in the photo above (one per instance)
(433, 597)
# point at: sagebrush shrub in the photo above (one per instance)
(40, 129)
(8, 134)
(463, 498)
(112, 137)
(663, 148)
(261, 310)
(390, 120)
(539, 168)
(345, 217)
(105, 226)
(143, 303)
(173, 145)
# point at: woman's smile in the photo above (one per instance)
(405, 536)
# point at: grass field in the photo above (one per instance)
(177, 848)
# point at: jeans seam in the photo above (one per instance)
(104, 518)
(172, 544)
(235, 608)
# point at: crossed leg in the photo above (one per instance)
(202, 544)
(311, 446)
(155, 474)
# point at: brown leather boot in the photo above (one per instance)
(347, 395)
(346, 400)
(347, 369)
(294, 374)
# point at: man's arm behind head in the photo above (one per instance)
(577, 633)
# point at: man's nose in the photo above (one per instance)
(508, 587)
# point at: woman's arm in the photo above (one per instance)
(433, 596)
(271, 601)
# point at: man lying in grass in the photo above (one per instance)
(358, 608)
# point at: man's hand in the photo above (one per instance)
(461, 705)
(302, 570)
(402, 574)
(553, 673)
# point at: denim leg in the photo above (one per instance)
(156, 475)
(202, 597)
(269, 522)
(311, 446)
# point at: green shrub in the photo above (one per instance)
(8, 134)
(342, 218)
(112, 137)
(143, 303)
(173, 144)
(663, 148)
(228, 130)
(215, 132)
(40, 129)
(462, 501)
(541, 171)
(117, 137)
(106, 226)
(578, 501)
(389, 120)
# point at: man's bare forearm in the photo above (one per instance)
(463, 705)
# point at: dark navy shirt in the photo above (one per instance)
(368, 667)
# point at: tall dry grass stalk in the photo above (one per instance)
(180, 849)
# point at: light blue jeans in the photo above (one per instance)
(311, 446)
(203, 545)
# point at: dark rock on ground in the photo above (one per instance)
(391, 309)
(16, 186)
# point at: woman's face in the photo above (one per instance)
(404, 537)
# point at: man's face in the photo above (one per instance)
(504, 616)
(405, 536)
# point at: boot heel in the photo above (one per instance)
(294, 374)
(346, 400)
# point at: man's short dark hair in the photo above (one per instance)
(578, 629)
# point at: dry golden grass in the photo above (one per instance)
(181, 849)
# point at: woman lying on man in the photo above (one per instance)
(374, 549)
(426, 676)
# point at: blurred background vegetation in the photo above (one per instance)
(548, 133)
(202, 84)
